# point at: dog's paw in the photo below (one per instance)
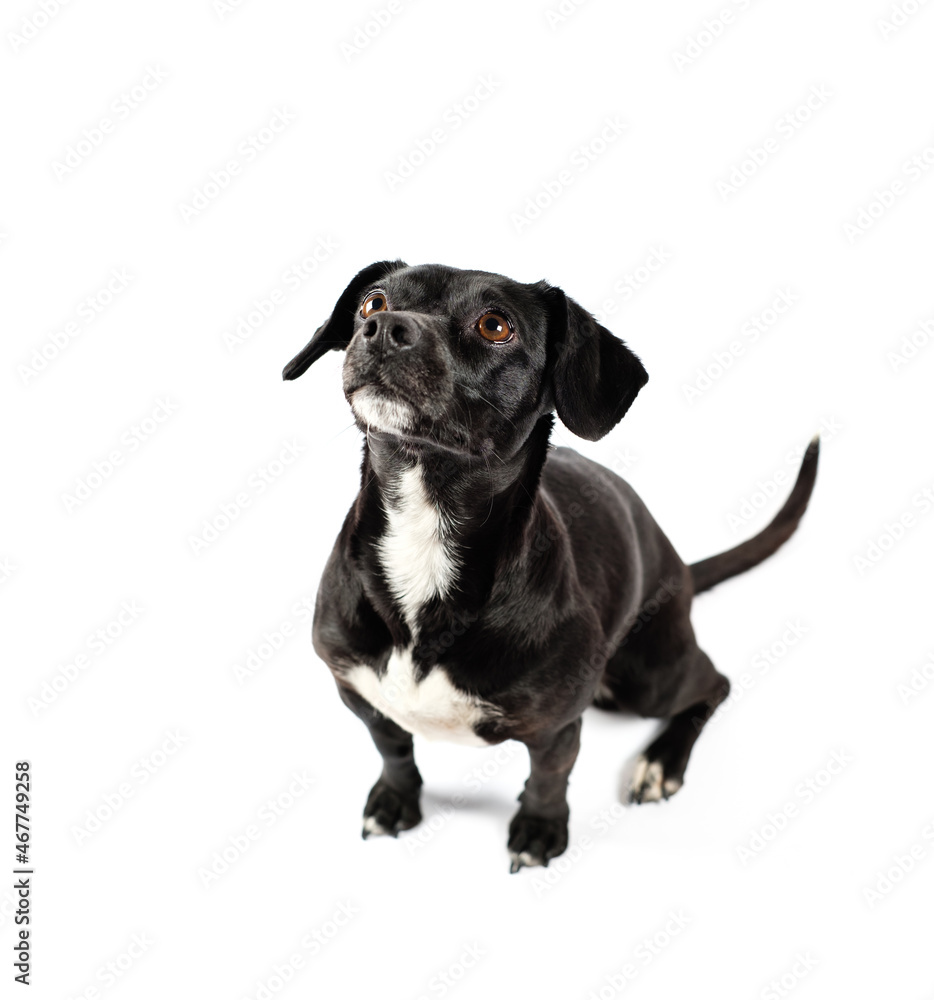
(649, 783)
(387, 811)
(534, 840)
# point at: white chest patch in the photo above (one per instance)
(432, 708)
(418, 557)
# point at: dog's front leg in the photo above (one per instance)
(539, 830)
(392, 804)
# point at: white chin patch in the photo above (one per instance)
(380, 413)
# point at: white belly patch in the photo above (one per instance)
(432, 708)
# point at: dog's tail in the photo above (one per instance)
(709, 572)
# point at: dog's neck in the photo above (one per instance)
(432, 526)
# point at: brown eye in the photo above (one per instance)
(494, 327)
(375, 302)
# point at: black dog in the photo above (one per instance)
(485, 587)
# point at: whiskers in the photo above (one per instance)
(487, 401)
(394, 454)
(464, 433)
(493, 451)
(489, 471)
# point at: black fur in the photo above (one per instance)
(568, 593)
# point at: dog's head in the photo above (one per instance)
(468, 361)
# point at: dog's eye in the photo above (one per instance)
(375, 302)
(494, 327)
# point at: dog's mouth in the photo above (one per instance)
(386, 413)
(383, 409)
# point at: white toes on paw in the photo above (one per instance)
(647, 780)
(372, 828)
(649, 783)
(670, 786)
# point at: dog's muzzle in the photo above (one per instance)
(398, 375)
(384, 339)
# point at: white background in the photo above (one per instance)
(419, 902)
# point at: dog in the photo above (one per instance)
(486, 586)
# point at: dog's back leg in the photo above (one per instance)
(659, 771)
(660, 672)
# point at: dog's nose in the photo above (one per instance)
(391, 331)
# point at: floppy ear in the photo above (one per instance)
(335, 332)
(595, 376)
